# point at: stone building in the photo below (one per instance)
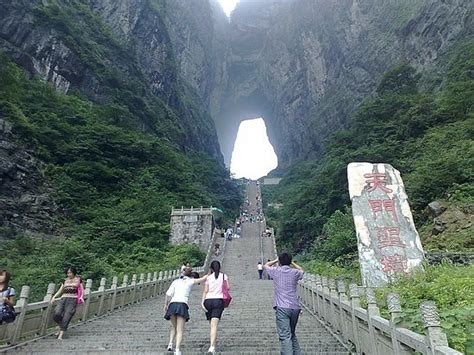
(193, 225)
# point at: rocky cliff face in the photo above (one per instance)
(156, 58)
(304, 65)
(167, 48)
(25, 200)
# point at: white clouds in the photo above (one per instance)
(253, 155)
(228, 5)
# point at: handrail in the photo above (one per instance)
(34, 320)
(369, 333)
(327, 299)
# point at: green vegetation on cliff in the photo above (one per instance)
(114, 186)
(427, 136)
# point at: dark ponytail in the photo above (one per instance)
(216, 267)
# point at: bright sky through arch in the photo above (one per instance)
(253, 155)
(228, 5)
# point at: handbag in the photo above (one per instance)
(225, 292)
(7, 312)
(80, 293)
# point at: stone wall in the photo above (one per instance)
(434, 258)
(192, 226)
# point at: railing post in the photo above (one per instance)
(155, 283)
(372, 302)
(47, 312)
(134, 289)
(308, 291)
(125, 281)
(355, 303)
(333, 298)
(341, 290)
(395, 309)
(325, 296)
(172, 276)
(372, 310)
(318, 293)
(435, 336)
(160, 282)
(301, 290)
(304, 289)
(124, 291)
(148, 285)
(313, 293)
(87, 299)
(165, 280)
(114, 294)
(102, 295)
(141, 284)
(23, 303)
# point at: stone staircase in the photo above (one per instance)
(247, 326)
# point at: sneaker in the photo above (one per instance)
(177, 352)
(212, 350)
(170, 347)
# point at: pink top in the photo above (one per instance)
(214, 286)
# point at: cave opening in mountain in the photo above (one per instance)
(228, 6)
(253, 155)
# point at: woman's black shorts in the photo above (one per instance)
(215, 307)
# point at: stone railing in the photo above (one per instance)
(364, 328)
(35, 319)
(192, 210)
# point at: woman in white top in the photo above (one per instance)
(176, 306)
(213, 300)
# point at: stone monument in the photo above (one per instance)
(388, 242)
(193, 225)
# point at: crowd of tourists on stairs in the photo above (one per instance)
(285, 275)
(215, 298)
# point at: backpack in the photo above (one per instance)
(7, 312)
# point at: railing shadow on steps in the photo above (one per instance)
(364, 329)
(35, 320)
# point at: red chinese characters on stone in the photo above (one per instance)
(394, 262)
(387, 205)
(389, 237)
(376, 180)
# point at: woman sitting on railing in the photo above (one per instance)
(7, 298)
(176, 306)
(72, 291)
